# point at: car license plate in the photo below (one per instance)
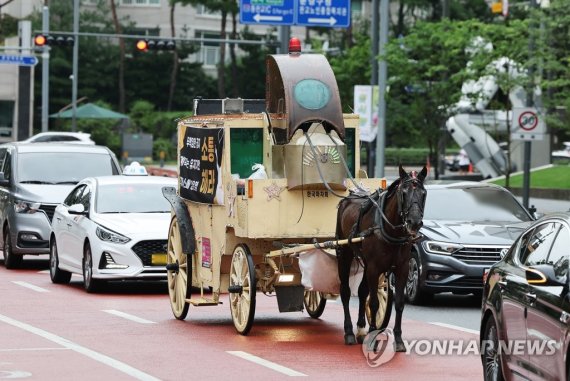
(158, 259)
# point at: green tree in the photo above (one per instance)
(428, 66)
(554, 62)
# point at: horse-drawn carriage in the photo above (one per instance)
(236, 232)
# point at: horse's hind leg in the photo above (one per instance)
(362, 295)
(344, 261)
(401, 275)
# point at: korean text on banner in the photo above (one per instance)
(201, 165)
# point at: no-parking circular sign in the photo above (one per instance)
(528, 120)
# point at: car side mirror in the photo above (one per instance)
(77, 209)
(3, 181)
(544, 275)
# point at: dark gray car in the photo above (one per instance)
(468, 227)
(34, 179)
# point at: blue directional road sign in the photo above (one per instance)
(326, 13)
(13, 59)
(274, 12)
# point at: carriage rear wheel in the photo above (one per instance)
(242, 289)
(315, 303)
(179, 273)
(385, 297)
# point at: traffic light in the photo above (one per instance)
(146, 44)
(41, 40)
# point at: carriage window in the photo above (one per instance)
(247, 150)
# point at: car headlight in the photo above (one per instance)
(445, 248)
(110, 236)
(21, 206)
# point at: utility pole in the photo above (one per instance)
(75, 59)
(25, 81)
(529, 103)
(371, 146)
(45, 70)
(284, 35)
(382, 81)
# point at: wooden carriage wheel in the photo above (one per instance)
(385, 297)
(179, 273)
(315, 303)
(242, 289)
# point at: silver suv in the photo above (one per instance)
(34, 179)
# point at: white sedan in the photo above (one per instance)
(111, 227)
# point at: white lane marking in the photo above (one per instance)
(129, 317)
(30, 286)
(267, 363)
(33, 349)
(7, 374)
(473, 331)
(109, 361)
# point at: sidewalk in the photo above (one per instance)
(548, 206)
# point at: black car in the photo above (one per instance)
(467, 227)
(526, 306)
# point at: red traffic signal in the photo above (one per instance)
(40, 40)
(142, 45)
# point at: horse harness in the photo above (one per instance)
(380, 219)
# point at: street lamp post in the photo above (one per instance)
(75, 59)
(382, 81)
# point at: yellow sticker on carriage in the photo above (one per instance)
(158, 259)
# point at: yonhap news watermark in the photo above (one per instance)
(378, 347)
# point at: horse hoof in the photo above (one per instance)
(399, 347)
(360, 339)
(349, 340)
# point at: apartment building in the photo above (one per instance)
(151, 18)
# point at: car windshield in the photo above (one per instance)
(473, 204)
(131, 198)
(62, 167)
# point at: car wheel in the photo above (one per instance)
(491, 357)
(56, 275)
(89, 283)
(414, 292)
(11, 260)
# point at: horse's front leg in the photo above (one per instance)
(344, 260)
(401, 277)
(362, 295)
(374, 303)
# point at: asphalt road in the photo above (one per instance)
(59, 332)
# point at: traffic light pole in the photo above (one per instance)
(75, 59)
(45, 71)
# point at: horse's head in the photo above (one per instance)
(411, 199)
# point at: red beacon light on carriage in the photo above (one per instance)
(294, 46)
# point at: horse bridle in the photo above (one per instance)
(403, 213)
(416, 183)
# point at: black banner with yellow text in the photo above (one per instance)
(200, 165)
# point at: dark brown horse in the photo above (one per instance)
(390, 225)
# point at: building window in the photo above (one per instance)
(142, 3)
(209, 53)
(204, 11)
